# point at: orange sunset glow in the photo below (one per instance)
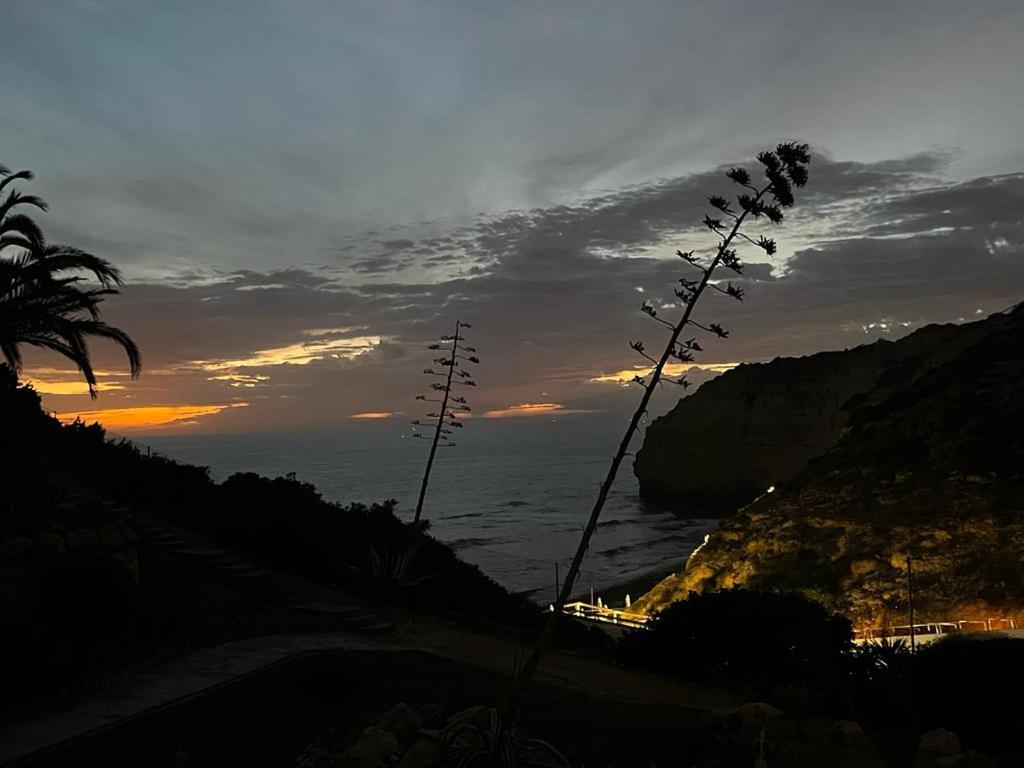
(626, 375)
(147, 417)
(532, 409)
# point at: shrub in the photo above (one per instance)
(972, 687)
(285, 522)
(77, 613)
(755, 641)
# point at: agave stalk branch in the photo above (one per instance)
(440, 423)
(533, 662)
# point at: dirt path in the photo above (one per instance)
(582, 672)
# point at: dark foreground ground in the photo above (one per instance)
(270, 717)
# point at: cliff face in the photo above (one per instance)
(758, 425)
(930, 467)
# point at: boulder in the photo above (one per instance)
(52, 544)
(939, 741)
(480, 716)
(16, 549)
(430, 715)
(847, 731)
(374, 749)
(470, 728)
(401, 721)
(110, 536)
(757, 710)
(425, 753)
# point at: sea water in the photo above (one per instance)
(512, 498)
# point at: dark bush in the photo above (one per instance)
(755, 641)
(76, 613)
(285, 522)
(973, 688)
(89, 604)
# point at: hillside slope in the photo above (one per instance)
(930, 467)
(759, 424)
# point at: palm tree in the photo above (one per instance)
(44, 301)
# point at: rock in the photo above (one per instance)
(862, 566)
(758, 425)
(470, 726)
(10, 598)
(424, 753)
(52, 544)
(374, 749)
(847, 731)
(939, 741)
(840, 531)
(757, 710)
(430, 715)
(478, 715)
(109, 536)
(403, 722)
(128, 532)
(87, 539)
(16, 548)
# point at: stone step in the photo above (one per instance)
(336, 609)
(169, 541)
(204, 552)
(379, 627)
(235, 567)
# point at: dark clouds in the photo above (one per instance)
(170, 137)
(325, 174)
(553, 295)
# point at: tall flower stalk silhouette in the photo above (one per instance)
(784, 168)
(451, 403)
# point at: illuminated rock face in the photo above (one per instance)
(930, 464)
(759, 424)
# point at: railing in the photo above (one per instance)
(934, 629)
(604, 615)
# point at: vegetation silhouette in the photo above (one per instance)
(784, 168)
(62, 487)
(450, 404)
(752, 640)
(785, 649)
(44, 300)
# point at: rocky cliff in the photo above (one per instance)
(758, 425)
(930, 465)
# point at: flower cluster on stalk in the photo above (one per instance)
(449, 393)
(784, 168)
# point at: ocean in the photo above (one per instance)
(510, 497)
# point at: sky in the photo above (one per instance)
(302, 195)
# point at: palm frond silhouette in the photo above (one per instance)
(45, 301)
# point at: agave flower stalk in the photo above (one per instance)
(452, 404)
(784, 168)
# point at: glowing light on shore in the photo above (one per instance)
(707, 538)
(626, 375)
(147, 416)
(533, 409)
(373, 415)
